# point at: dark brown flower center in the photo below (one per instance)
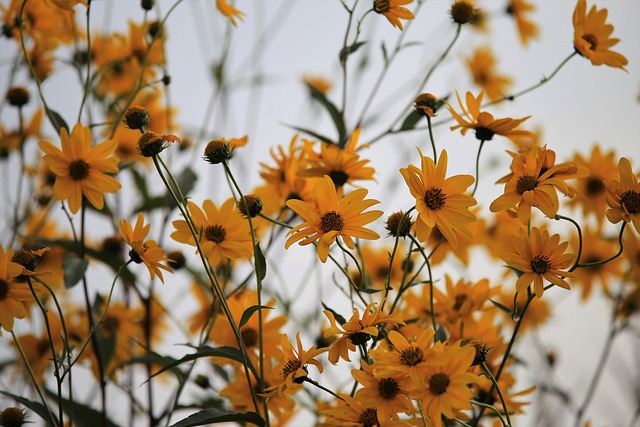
(411, 356)
(592, 40)
(462, 12)
(540, 264)
(630, 200)
(331, 221)
(291, 367)
(369, 417)
(215, 233)
(339, 178)
(381, 6)
(79, 170)
(359, 338)
(526, 183)
(594, 186)
(484, 134)
(249, 337)
(4, 290)
(460, 299)
(388, 388)
(438, 383)
(434, 199)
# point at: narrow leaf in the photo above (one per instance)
(501, 307)
(215, 416)
(83, 415)
(226, 352)
(56, 120)
(348, 50)
(341, 320)
(74, 268)
(249, 312)
(333, 111)
(36, 407)
(441, 335)
(411, 120)
(186, 181)
(316, 135)
(261, 263)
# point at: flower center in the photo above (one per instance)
(249, 337)
(4, 290)
(592, 40)
(388, 388)
(438, 383)
(594, 186)
(369, 417)
(215, 233)
(434, 199)
(526, 183)
(359, 338)
(460, 299)
(484, 134)
(291, 367)
(381, 6)
(339, 178)
(540, 264)
(630, 200)
(331, 221)
(411, 356)
(79, 170)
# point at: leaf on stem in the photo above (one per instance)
(215, 416)
(249, 312)
(74, 268)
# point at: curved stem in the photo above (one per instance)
(487, 371)
(611, 258)
(493, 408)
(475, 187)
(433, 142)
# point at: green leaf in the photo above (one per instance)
(106, 343)
(348, 50)
(74, 268)
(225, 352)
(249, 312)
(369, 290)
(333, 111)
(411, 120)
(157, 359)
(501, 307)
(140, 182)
(261, 263)
(441, 335)
(215, 416)
(186, 181)
(316, 135)
(56, 120)
(36, 407)
(341, 320)
(83, 415)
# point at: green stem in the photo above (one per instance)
(475, 187)
(87, 87)
(323, 388)
(487, 371)
(433, 142)
(428, 264)
(493, 408)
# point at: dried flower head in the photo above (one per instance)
(398, 224)
(251, 206)
(462, 12)
(12, 417)
(136, 117)
(217, 151)
(18, 96)
(427, 104)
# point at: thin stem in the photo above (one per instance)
(428, 264)
(493, 408)
(433, 142)
(16, 208)
(323, 388)
(475, 187)
(487, 371)
(87, 80)
(611, 258)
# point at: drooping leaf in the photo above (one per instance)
(348, 50)
(215, 416)
(316, 135)
(36, 407)
(501, 307)
(186, 181)
(411, 120)
(249, 312)
(74, 268)
(341, 320)
(226, 352)
(333, 111)
(441, 335)
(56, 120)
(157, 359)
(261, 262)
(83, 415)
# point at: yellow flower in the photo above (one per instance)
(483, 123)
(526, 29)
(624, 196)
(229, 11)
(144, 251)
(540, 257)
(439, 201)
(319, 83)
(482, 68)
(591, 36)
(462, 300)
(393, 10)
(225, 233)
(13, 294)
(352, 412)
(80, 169)
(326, 218)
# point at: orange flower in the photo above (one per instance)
(591, 36)
(482, 67)
(624, 196)
(393, 10)
(229, 11)
(526, 29)
(13, 294)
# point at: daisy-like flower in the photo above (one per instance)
(592, 36)
(482, 66)
(393, 10)
(13, 294)
(526, 28)
(528, 186)
(351, 412)
(462, 300)
(143, 251)
(624, 196)
(446, 388)
(540, 257)
(357, 331)
(483, 123)
(439, 201)
(229, 11)
(326, 218)
(81, 170)
(225, 233)
(288, 375)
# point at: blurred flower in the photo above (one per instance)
(80, 169)
(13, 294)
(229, 11)
(393, 10)
(440, 201)
(624, 196)
(482, 67)
(319, 83)
(353, 412)
(526, 28)
(326, 218)
(591, 36)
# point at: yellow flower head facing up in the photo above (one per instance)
(540, 257)
(356, 331)
(482, 66)
(225, 233)
(81, 170)
(13, 294)
(440, 201)
(290, 373)
(393, 10)
(353, 412)
(230, 12)
(527, 29)
(592, 36)
(144, 251)
(624, 196)
(483, 123)
(529, 186)
(326, 217)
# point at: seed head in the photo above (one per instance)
(462, 12)
(253, 205)
(399, 225)
(427, 104)
(217, 151)
(136, 117)
(18, 96)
